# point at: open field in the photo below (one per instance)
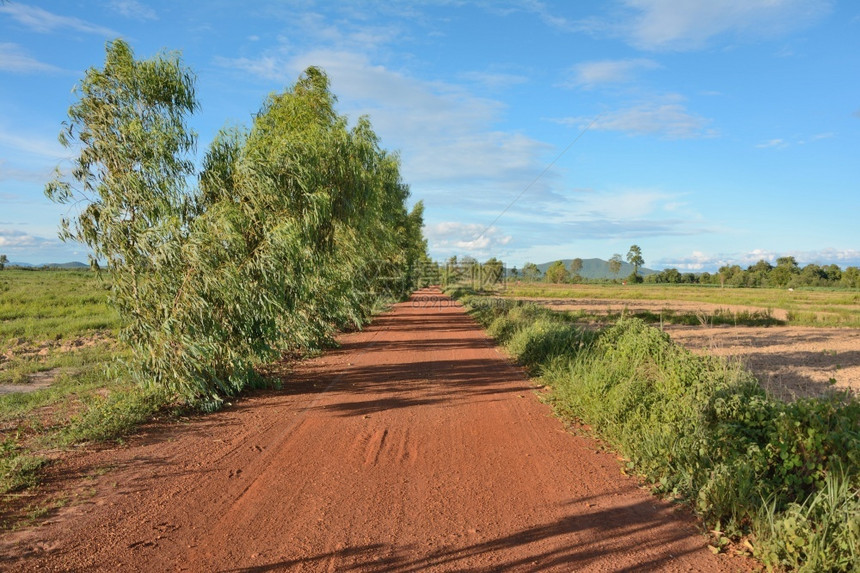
(801, 307)
(789, 361)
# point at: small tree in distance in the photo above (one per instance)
(556, 273)
(576, 268)
(3, 261)
(615, 264)
(531, 272)
(634, 257)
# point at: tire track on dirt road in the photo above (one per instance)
(416, 445)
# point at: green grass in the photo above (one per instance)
(52, 304)
(783, 476)
(804, 306)
(60, 323)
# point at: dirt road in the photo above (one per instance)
(415, 446)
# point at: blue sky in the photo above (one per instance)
(706, 132)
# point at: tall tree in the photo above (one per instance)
(297, 227)
(492, 272)
(3, 262)
(133, 148)
(634, 257)
(576, 267)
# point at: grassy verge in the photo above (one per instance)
(780, 478)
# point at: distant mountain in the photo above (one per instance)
(70, 265)
(599, 269)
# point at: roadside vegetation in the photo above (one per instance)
(775, 479)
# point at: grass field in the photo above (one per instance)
(57, 342)
(801, 307)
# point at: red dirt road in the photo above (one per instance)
(415, 446)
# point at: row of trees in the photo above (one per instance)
(785, 274)
(295, 228)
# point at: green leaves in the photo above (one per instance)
(277, 248)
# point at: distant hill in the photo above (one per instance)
(70, 265)
(599, 269)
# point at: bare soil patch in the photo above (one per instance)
(36, 381)
(789, 361)
(414, 446)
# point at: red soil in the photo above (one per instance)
(414, 446)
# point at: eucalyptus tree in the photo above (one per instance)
(133, 157)
(557, 273)
(287, 236)
(530, 272)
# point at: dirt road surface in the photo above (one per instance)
(414, 446)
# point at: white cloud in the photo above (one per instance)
(14, 59)
(773, 143)
(628, 204)
(494, 80)
(448, 130)
(700, 261)
(691, 24)
(12, 240)
(132, 9)
(779, 143)
(668, 119)
(43, 21)
(591, 74)
(819, 136)
(16, 174)
(466, 238)
(32, 144)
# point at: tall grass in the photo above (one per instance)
(702, 430)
